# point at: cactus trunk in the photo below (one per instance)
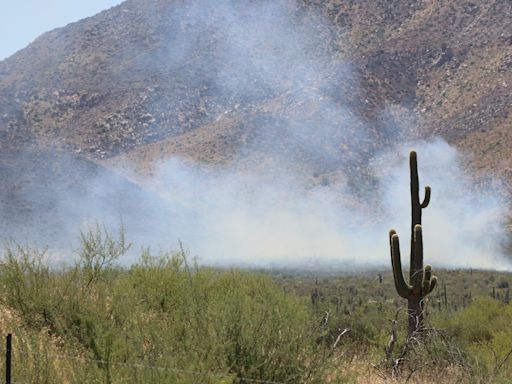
(421, 281)
(415, 311)
(416, 207)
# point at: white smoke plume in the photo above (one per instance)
(464, 224)
(276, 216)
(248, 220)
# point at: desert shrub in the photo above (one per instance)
(26, 282)
(238, 319)
(98, 252)
(160, 320)
(479, 321)
(483, 329)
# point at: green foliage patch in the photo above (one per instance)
(165, 319)
(159, 320)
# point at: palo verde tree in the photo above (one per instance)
(421, 281)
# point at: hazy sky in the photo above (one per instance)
(21, 21)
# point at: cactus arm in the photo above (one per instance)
(427, 275)
(428, 272)
(403, 289)
(429, 281)
(433, 283)
(426, 199)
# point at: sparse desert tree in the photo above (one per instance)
(99, 249)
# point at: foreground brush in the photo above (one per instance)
(421, 281)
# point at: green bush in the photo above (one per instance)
(483, 329)
(164, 319)
(160, 320)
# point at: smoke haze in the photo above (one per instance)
(251, 220)
(311, 184)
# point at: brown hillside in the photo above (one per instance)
(147, 80)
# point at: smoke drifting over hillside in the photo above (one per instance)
(269, 208)
(464, 224)
(250, 220)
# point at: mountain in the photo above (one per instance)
(318, 86)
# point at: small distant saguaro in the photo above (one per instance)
(421, 280)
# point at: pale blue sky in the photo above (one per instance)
(21, 21)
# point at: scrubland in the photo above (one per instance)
(165, 319)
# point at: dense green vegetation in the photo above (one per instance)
(160, 320)
(164, 319)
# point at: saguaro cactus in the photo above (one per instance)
(421, 281)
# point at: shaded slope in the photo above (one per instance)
(47, 197)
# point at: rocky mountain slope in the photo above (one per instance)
(323, 84)
(48, 196)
